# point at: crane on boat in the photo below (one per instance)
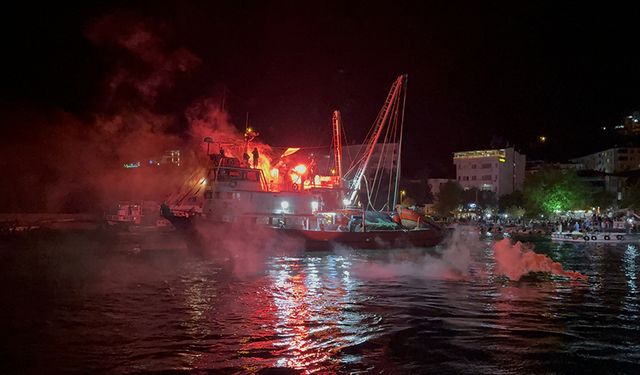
(391, 118)
(336, 121)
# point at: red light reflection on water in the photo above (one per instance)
(292, 299)
(295, 318)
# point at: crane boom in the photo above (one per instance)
(337, 145)
(383, 115)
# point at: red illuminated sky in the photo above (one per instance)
(477, 70)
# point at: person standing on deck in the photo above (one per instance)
(256, 155)
(245, 158)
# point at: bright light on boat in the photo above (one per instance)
(203, 181)
(284, 205)
(300, 169)
(314, 206)
(274, 172)
(345, 201)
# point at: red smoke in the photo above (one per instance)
(154, 66)
(206, 119)
(72, 164)
(515, 261)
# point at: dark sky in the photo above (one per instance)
(477, 70)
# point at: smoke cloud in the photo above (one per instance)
(150, 65)
(453, 263)
(517, 260)
(456, 262)
(244, 248)
(75, 164)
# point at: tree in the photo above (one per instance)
(429, 198)
(509, 200)
(552, 190)
(416, 189)
(515, 212)
(449, 198)
(483, 198)
(603, 199)
(631, 196)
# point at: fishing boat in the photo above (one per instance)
(321, 211)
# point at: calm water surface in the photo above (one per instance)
(77, 303)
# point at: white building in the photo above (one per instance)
(500, 170)
(612, 160)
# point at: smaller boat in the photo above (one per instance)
(136, 217)
(596, 237)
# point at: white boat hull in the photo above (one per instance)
(594, 237)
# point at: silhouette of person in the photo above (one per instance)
(256, 155)
(245, 157)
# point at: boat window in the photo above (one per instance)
(223, 175)
(251, 176)
(229, 174)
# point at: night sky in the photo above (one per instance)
(479, 72)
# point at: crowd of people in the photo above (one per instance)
(595, 223)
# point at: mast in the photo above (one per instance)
(404, 101)
(383, 115)
(337, 144)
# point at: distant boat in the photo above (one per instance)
(600, 237)
(136, 216)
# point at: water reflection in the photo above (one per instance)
(314, 319)
(630, 266)
(163, 311)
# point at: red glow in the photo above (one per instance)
(517, 260)
(300, 169)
